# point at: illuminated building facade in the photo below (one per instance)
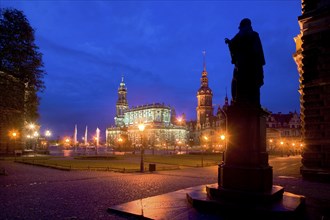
(208, 128)
(163, 128)
(283, 133)
(313, 62)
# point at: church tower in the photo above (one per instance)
(121, 105)
(204, 99)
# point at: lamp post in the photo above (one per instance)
(36, 136)
(141, 129)
(294, 148)
(120, 141)
(223, 138)
(282, 149)
(13, 135)
(67, 143)
(270, 147)
(206, 139)
(48, 133)
(226, 130)
(179, 120)
(31, 129)
(179, 143)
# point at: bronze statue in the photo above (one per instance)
(248, 57)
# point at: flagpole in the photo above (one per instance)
(75, 137)
(85, 138)
(97, 138)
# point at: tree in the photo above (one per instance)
(20, 58)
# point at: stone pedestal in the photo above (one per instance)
(246, 160)
(245, 178)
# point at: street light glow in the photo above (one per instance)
(222, 137)
(141, 127)
(32, 126)
(48, 133)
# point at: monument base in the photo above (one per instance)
(255, 179)
(272, 204)
(217, 192)
(245, 179)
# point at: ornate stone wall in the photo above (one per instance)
(313, 61)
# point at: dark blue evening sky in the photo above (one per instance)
(157, 45)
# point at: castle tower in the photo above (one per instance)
(204, 99)
(121, 105)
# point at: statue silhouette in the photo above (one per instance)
(248, 57)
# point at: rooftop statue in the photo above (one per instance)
(248, 57)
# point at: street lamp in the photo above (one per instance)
(36, 136)
(226, 131)
(223, 138)
(67, 142)
(179, 120)
(48, 133)
(13, 135)
(282, 149)
(141, 129)
(301, 147)
(31, 126)
(206, 139)
(179, 143)
(120, 141)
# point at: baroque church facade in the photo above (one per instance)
(162, 127)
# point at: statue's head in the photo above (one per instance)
(245, 23)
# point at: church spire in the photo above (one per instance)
(226, 99)
(204, 63)
(204, 99)
(204, 79)
(122, 83)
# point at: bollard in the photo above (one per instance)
(152, 167)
